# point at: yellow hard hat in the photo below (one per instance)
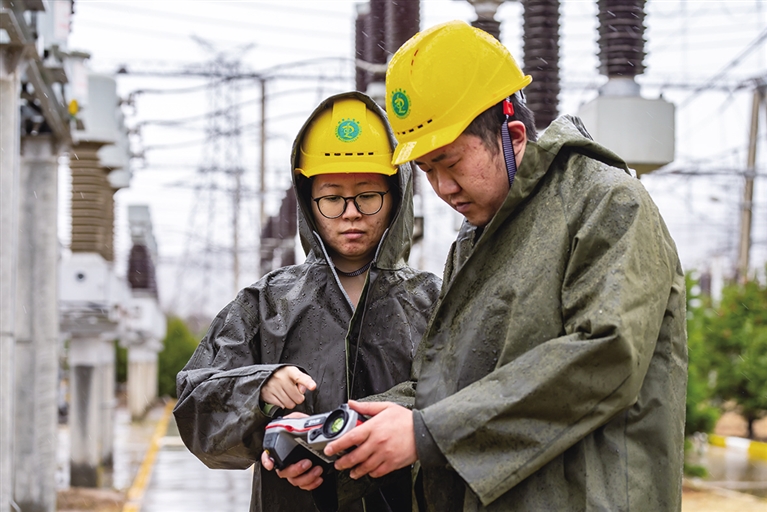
(440, 80)
(344, 138)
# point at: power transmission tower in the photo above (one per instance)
(220, 173)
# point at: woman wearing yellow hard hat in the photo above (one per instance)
(306, 338)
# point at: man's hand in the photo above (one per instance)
(384, 443)
(286, 387)
(301, 474)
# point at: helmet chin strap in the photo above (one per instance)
(508, 148)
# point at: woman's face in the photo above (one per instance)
(353, 237)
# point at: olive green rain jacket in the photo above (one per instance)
(553, 372)
(300, 315)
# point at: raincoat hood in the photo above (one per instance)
(565, 134)
(394, 248)
(300, 315)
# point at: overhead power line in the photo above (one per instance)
(208, 20)
(726, 69)
(694, 171)
(111, 27)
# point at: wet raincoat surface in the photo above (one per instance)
(300, 315)
(552, 376)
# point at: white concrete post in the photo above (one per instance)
(37, 327)
(142, 379)
(9, 189)
(85, 412)
(108, 403)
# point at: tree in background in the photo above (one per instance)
(121, 363)
(736, 337)
(701, 413)
(178, 346)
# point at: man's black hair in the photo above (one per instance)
(487, 125)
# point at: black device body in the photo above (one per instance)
(289, 440)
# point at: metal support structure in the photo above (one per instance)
(37, 327)
(747, 208)
(262, 156)
(20, 34)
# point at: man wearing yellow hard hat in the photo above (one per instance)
(552, 375)
(306, 338)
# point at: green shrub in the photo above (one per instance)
(727, 348)
(178, 346)
(737, 335)
(121, 363)
(701, 414)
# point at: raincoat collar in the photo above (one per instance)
(566, 132)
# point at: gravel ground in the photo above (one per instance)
(698, 500)
(79, 499)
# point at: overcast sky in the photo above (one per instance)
(712, 46)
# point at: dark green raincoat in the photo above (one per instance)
(552, 375)
(300, 315)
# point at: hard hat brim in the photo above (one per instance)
(348, 168)
(407, 151)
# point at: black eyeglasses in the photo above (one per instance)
(367, 203)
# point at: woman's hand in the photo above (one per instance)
(301, 474)
(286, 387)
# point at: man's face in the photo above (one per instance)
(468, 177)
(352, 237)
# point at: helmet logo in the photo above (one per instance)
(400, 103)
(348, 130)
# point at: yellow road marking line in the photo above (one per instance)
(758, 450)
(755, 449)
(136, 491)
(717, 440)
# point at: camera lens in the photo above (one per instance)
(335, 423)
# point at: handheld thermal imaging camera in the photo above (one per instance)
(289, 440)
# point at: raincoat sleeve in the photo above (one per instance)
(218, 412)
(618, 279)
(402, 394)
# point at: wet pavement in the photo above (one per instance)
(181, 483)
(731, 469)
(156, 473)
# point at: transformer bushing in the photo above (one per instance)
(491, 26)
(403, 20)
(541, 58)
(621, 38)
(486, 21)
(141, 271)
